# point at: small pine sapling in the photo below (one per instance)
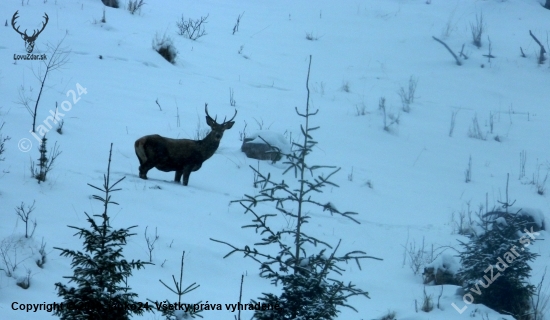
(309, 289)
(500, 247)
(40, 171)
(100, 271)
(168, 310)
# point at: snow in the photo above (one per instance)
(446, 263)
(405, 184)
(535, 214)
(275, 139)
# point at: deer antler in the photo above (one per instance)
(208, 115)
(231, 118)
(15, 16)
(206, 110)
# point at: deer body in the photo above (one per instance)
(180, 155)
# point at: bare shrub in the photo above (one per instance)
(311, 36)
(192, 29)
(361, 110)
(3, 140)
(465, 223)
(236, 26)
(8, 254)
(540, 301)
(475, 130)
(165, 47)
(345, 86)
(134, 6)
(151, 243)
(538, 180)
(232, 101)
(407, 96)
(24, 281)
(41, 260)
(477, 29)
(24, 213)
(418, 257)
(453, 121)
(540, 183)
(427, 303)
(59, 56)
(522, 162)
(541, 58)
(391, 315)
(468, 172)
(388, 118)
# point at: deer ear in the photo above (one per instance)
(229, 125)
(210, 121)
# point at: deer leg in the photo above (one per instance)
(186, 174)
(142, 173)
(143, 169)
(177, 177)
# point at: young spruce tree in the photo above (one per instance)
(44, 163)
(309, 289)
(100, 271)
(495, 265)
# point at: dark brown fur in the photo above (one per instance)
(180, 155)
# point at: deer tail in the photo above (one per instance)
(140, 149)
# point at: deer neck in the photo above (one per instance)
(209, 145)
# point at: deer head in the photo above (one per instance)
(29, 40)
(218, 128)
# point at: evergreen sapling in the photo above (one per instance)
(310, 290)
(44, 163)
(495, 264)
(100, 270)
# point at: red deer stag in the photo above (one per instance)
(180, 155)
